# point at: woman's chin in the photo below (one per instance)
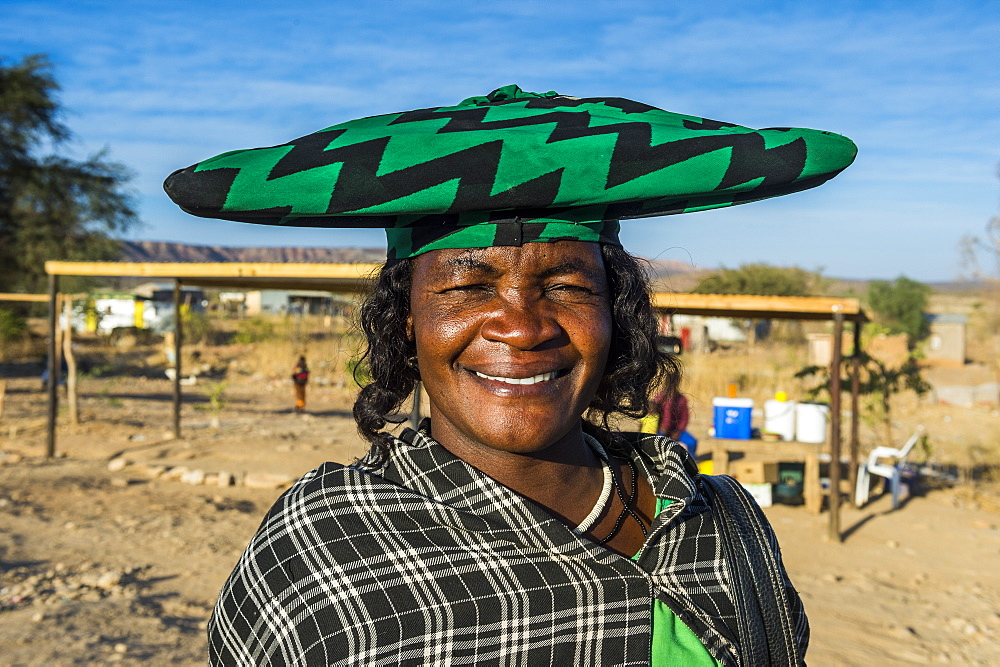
(513, 430)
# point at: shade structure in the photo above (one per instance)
(355, 278)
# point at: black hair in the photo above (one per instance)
(634, 362)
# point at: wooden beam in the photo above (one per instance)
(259, 270)
(759, 307)
(33, 298)
(340, 277)
(38, 298)
(330, 285)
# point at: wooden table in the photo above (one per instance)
(778, 451)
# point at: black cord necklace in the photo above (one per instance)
(627, 503)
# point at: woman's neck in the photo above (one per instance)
(566, 479)
(562, 477)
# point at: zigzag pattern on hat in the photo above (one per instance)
(539, 153)
(566, 167)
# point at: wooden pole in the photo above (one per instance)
(74, 415)
(415, 410)
(178, 327)
(838, 334)
(59, 337)
(855, 417)
(50, 438)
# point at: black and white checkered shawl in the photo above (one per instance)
(425, 560)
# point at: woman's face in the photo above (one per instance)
(511, 341)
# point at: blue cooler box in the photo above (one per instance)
(732, 417)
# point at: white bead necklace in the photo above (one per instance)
(602, 501)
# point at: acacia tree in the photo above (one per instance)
(981, 259)
(981, 254)
(900, 306)
(762, 279)
(878, 383)
(51, 207)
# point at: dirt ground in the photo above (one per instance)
(116, 549)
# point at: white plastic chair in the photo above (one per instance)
(890, 471)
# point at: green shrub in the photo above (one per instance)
(13, 327)
(762, 279)
(197, 327)
(254, 330)
(215, 392)
(900, 306)
(13, 330)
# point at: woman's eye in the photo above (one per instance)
(563, 287)
(478, 287)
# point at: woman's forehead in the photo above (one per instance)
(565, 256)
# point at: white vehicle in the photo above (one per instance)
(105, 313)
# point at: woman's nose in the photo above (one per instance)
(522, 324)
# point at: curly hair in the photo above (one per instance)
(634, 362)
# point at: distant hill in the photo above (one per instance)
(160, 251)
(668, 275)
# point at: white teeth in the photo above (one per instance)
(542, 377)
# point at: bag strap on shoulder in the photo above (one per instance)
(763, 609)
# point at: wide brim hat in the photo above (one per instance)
(508, 168)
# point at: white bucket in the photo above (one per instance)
(779, 417)
(810, 422)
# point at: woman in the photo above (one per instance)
(300, 379)
(514, 526)
(672, 408)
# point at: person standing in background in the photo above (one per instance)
(673, 411)
(300, 378)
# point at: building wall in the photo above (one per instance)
(946, 343)
(821, 347)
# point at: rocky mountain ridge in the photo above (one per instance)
(162, 251)
(671, 275)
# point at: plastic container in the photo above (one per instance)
(762, 493)
(690, 442)
(810, 422)
(732, 417)
(779, 417)
(788, 490)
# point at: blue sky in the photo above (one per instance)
(916, 85)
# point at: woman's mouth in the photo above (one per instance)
(534, 379)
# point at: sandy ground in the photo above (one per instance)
(124, 565)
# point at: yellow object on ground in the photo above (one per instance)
(706, 467)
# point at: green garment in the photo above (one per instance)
(673, 642)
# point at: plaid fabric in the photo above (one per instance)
(425, 560)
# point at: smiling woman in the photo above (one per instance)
(633, 362)
(514, 526)
(511, 344)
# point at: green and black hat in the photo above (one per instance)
(508, 168)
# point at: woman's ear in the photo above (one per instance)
(410, 336)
